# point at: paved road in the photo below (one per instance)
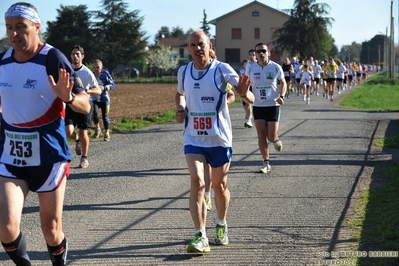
(130, 207)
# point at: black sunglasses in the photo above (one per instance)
(96, 67)
(261, 51)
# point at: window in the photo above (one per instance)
(181, 52)
(236, 33)
(255, 13)
(257, 33)
(232, 55)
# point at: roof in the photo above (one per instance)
(172, 42)
(213, 21)
(176, 42)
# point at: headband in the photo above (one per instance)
(23, 12)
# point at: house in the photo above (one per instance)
(180, 47)
(241, 29)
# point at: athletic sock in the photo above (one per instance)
(208, 194)
(58, 253)
(221, 221)
(16, 250)
(202, 231)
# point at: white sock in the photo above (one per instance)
(221, 221)
(202, 231)
(208, 194)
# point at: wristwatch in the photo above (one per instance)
(73, 98)
(282, 97)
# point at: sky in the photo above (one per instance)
(355, 21)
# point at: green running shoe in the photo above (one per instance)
(221, 235)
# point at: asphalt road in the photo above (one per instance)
(130, 207)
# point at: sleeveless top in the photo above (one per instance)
(207, 122)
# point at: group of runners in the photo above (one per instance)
(307, 77)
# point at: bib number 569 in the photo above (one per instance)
(202, 123)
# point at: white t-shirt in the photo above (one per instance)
(264, 83)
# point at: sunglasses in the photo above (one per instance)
(252, 54)
(261, 51)
(96, 67)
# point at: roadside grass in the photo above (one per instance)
(378, 94)
(376, 216)
(128, 125)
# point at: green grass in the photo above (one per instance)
(377, 223)
(389, 142)
(379, 93)
(375, 220)
(128, 125)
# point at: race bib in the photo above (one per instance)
(264, 92)
(286, 73)
(21, 149)
(202, 124)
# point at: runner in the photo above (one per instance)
(201, 102)
(265, 77)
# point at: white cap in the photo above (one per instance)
(294, 58)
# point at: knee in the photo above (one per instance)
(219, 188)
(51, 231)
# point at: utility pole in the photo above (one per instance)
(392, 47)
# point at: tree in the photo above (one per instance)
(305, 30)
(118, 35)
(163, 57)
(205, 25)
(350, 53)
(162, 33)
(372, 52)
(4, 44)
(188, 32)
(72, 26)
(177, 32)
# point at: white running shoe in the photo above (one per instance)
(199, 244)
(278, 145)
(248, 123)
(208, 202)
(265, 168)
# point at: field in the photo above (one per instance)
(137, 101)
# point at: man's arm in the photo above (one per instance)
(180, 107)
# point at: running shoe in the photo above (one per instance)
(106, 136)
(331, 99)
(208, 202)
(84, 162)
(308, 101)
(198, 244)
(278, 145)
(78, 148)
(248, 124)
(265, 168)
(97, 132)
(221, 235)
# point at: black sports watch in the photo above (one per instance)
(73, 98)
(282, 97)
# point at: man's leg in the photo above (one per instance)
(12, 196)
(196, 164)
(51, 206)
(222, 202)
